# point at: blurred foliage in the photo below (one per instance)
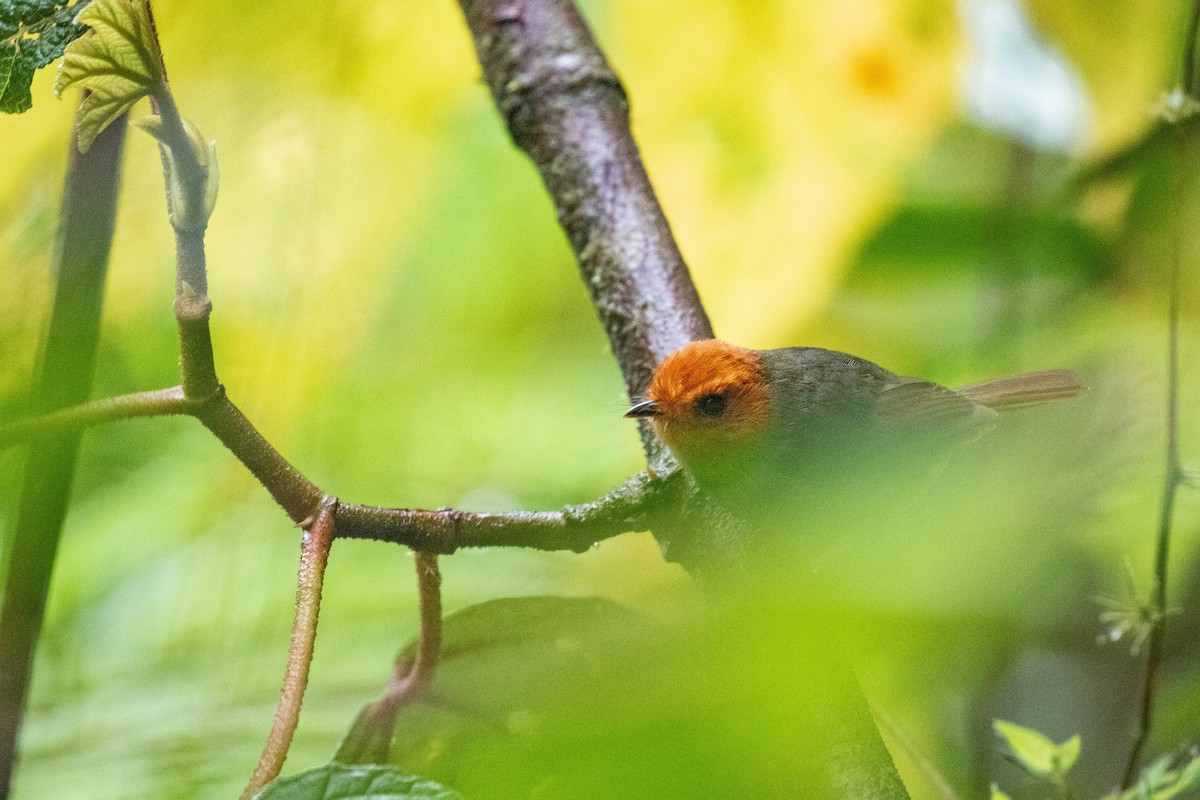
(32, 35)
(340, 782)
(556, 697)
(398, 312)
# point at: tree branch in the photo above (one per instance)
(567, 110)
(295, 493)
(638, 504)
(635, 505)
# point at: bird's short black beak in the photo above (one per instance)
(646, 408)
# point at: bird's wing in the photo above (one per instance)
(910, 400)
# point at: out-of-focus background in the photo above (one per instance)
(398, 312)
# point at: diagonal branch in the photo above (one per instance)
(567, 110)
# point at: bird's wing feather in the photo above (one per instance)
(912, 400)
(1020, 391)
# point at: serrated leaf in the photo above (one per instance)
(1032, 750)
(360, 782)
(118, 61)
(32, 34)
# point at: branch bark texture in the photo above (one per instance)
(565, 107)
(314, 557)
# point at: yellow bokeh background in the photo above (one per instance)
(398, 312)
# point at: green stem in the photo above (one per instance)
(85, 238)
(1173, 476)
(160, 403)
(370, 737)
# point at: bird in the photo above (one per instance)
(746, 423)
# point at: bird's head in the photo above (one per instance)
(709, 399)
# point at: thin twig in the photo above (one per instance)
(158, 403)
(1171, 481)
(370, 738)
(637, 504)
(1173, 469)
(640, 503)
(429, 645)
(294, 493)
(314, 556)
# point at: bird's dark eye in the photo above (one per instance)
(711, 405)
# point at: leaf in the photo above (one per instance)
(998, 793)
(1066, 754)
(183, 215)
(360, 782)
(32, 34)
(118, 61)
(581, 698)
(1032, 750)
(1187, 779)
(505, 666)
(1164, 784)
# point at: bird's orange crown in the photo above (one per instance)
(707, 396)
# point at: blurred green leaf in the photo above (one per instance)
(1159, 780)
(360, 782)
(1067, 754)
(505, 663)
(32, 34)
(582, 698)
(1035, 752)
(998, 793)
(118, 61)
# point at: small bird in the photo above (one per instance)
(747, 421)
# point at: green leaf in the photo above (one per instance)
(1163, 784)
(118, 61)
(360, 782)
(505, 666)
(1187, 779)
(583, 699)
(32, 34)
(1035, 752)
(183, 215)
(998, 793)
(1066, 754)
